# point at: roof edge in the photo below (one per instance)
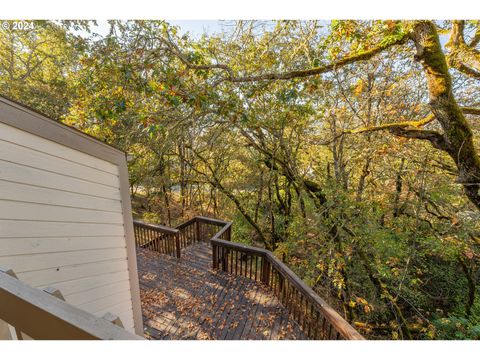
(20, 106)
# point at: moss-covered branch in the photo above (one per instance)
(402, 124)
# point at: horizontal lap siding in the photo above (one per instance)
(29, 157)
(23, 228)
(23, 246)
(42, 278)
(32, 193)
(58, 259)
(40, 212)
(23, 138)
(25, 174)
(61, 223)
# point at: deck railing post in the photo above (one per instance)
(177, 245)
(265, 270)
(224, 259)
(197, 230)
(215, 256)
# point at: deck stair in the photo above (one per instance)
(195, 283)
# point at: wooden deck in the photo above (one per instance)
(185, 299)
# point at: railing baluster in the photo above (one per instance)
(145, 240)
(303, 304)
(167, 243)
(310, 317)
(236, 263)
(315, 326)
(164, 242)
(151, 240)
(251, 265)
(155, 239)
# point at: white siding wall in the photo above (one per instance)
(61, 223)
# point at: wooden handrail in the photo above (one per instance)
(162, 239)
(186, 223)
(171, 241)
(317, 319)
(160, 228)
(41, 315)
(225, 230)
(208, 220)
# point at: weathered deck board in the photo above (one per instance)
(185, 299)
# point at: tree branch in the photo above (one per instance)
(471, 110)
(172, 47)
(436, 139)
(408, 129)
(465, 69)
(349, 59)
(403, 124)
(465, 58)
(476, 38)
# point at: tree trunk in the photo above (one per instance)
(471, 287)
(361, 181)
(457, 136)
(397, 210)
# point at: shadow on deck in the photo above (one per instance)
(185, 299)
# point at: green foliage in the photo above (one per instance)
(456, 328)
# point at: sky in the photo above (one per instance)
(196, 28)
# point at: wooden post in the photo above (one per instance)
(281, 287)
(215, 256)
(224, 259)
(265, 270)
(197, 230)
(177, 244)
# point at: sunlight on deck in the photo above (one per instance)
(185, 299)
